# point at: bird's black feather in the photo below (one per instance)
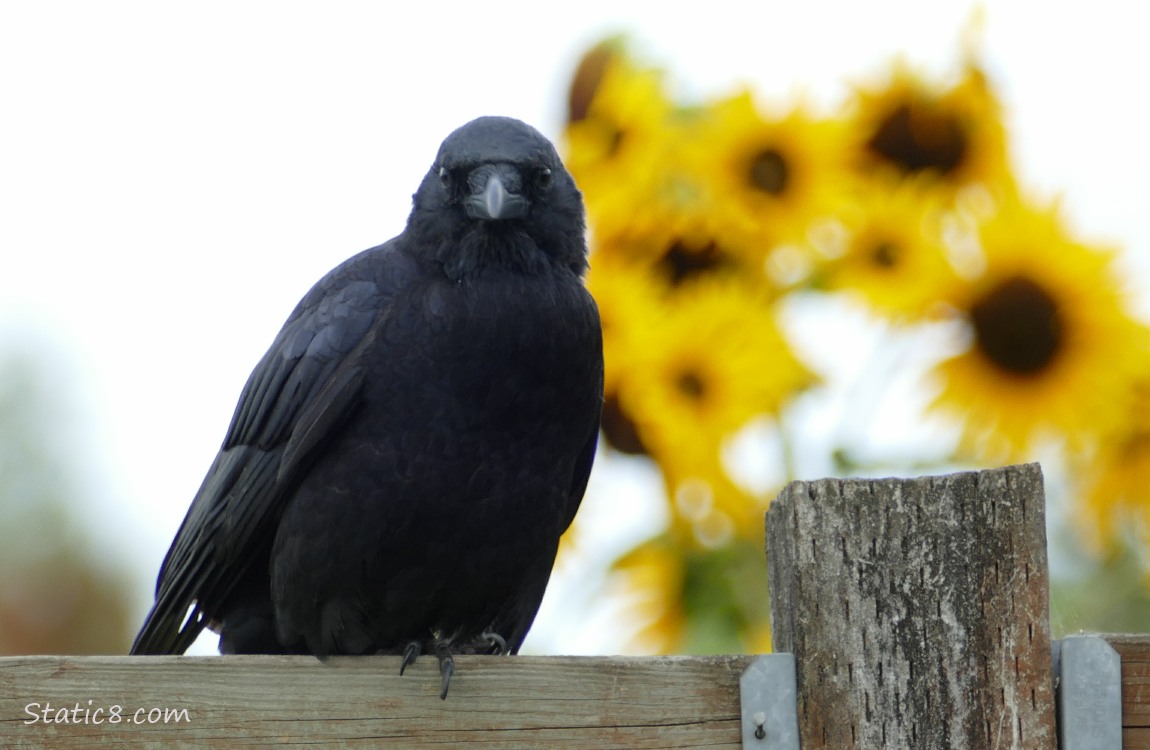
(402, 461)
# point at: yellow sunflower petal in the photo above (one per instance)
(1115, 477)
(619, 136)
(629, 296)
(893, 256)
(651, 576)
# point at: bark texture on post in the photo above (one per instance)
(917, 610)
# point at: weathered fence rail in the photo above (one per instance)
(1135, 653)
(495, 702)
(917, 611)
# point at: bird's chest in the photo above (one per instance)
(501, 355)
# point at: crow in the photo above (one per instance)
(404, 458)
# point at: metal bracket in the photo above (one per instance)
(769, 698)
(1088, 684)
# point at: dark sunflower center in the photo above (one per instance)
(682, 262)
(619, 429)
(1135, 445)
(885, 255)
(769, 172)
(916, 138)
(1018, 327)
(691, 385)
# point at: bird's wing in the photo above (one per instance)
(581, 474)
(298, 395)
(515, 620)
(586, 457)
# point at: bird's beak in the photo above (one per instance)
(495, 197)
(495, 194)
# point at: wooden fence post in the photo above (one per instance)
(917, 610)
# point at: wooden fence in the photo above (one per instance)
(917, 611)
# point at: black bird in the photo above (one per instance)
(405, 456)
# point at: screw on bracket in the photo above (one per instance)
(769, 704)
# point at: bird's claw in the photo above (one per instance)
(413, 650)
(446, 665)
(496, 644)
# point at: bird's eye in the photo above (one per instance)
(445, 177)
(543, 178)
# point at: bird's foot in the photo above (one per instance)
(496, 644)
(446, 665)
(414, 649)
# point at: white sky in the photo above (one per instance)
(173, 177)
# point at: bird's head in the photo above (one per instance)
(498, 194)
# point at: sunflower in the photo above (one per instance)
(892, 255)
(668, 202)
(616, 132)
(1050, 340)
(1117, 474)
(636, 284)
(953, 136)
(630, 149)
(773, 174)
(713, 359)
